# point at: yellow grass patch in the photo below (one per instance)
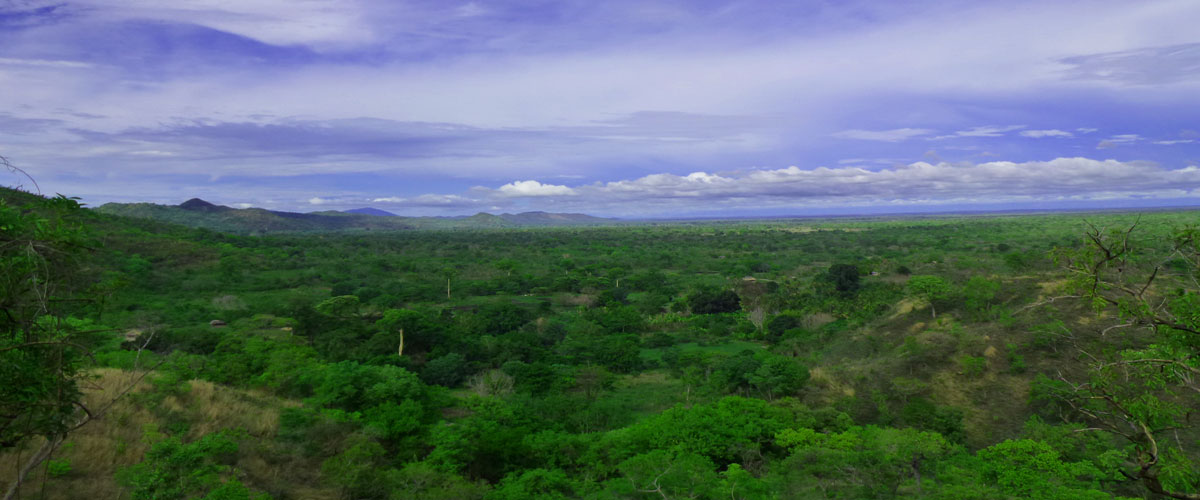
(819, 377)
(903, 307)
(1053, 287)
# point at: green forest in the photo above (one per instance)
(1003, 356)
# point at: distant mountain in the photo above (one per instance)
(370, 211)
(198, 205)
(199, 213)
(551, 219)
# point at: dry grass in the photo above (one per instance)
(903, 307)
(814, 321)
(827, 386)
(96, 450)
(117, 439)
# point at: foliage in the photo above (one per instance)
(931, 289)
(712, 301)
(175, 470)
(42, 246)
(639, 362)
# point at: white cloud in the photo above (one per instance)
(151, 152)
(470, 9)
(281, 22)
(1086, 130)
(1118, 140)
(534, 188)
(1038, 134)
(1176, 141)
(916, 183)
(317, 200)
(984, 131)
(47, 63)
(430, 200)
(894, 135)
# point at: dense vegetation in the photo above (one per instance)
(1033, 356)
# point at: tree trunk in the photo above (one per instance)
(38, 457)
(916, 469)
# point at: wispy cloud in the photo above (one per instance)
(1038, 134)
(893, 135)
(46, 63)
(1145, 66)
(983, 131)
(1118, 140)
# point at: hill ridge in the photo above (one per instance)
(200, 213)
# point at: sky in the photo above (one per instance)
(627, 108)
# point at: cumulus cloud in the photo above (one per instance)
(1038, 134)
(920, 180)
(534, 188)
(317, 200)
(920, 183)
(893, 135)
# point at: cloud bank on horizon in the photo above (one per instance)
(627, 108)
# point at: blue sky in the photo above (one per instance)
(623, 108)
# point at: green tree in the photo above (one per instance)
(448, 272)
(1032, 469)
(845, 278)
(1145, 396)
(666, 474)
(860, 462)
(712, 301)
(42, 244)
(176, 470)
(358, 472)
(779, 376)
(535, 484)
(931, 289)
(978, 294)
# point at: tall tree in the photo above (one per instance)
(931, 289)
(1148, 395)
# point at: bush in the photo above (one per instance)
(58, 467)
(845, 278)
(447, 371)
(711, 301)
